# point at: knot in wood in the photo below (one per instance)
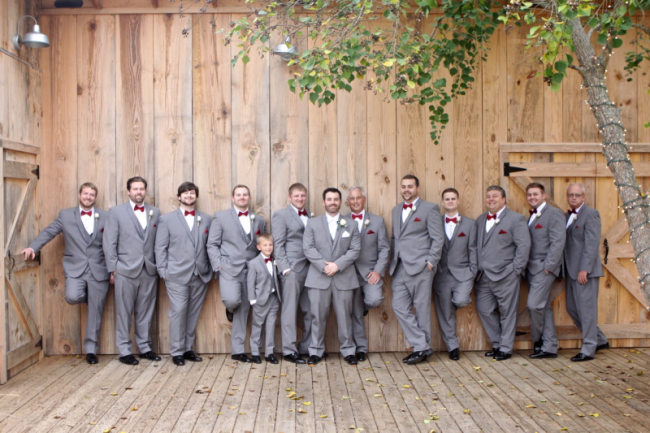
(278, 147)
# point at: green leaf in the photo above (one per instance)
(313, 97)
(561, 66)
(617, 43)
(569, 59)
(245, 59)
(602, 39)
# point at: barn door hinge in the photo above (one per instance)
(39, 343)
(507, 169)
(37, 171)
(606, 249)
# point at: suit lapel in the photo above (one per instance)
(295, 216)
(363, 230)
(95, 226)
(131, 214)
(339, 231)
(456, 230)
(408, 218)
(327, 230)
(80, 225)
(148, 228)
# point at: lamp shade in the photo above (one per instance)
(36, 39)
(286, 50)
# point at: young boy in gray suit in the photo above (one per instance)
(264, 295)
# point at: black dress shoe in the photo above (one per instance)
(542, 355)
(129, 360)
(191, 356)
(580, 357)
(178, 360)
(351, 359)
(417, 357)
(91, 358)
(313, 360)
(538, 346)
(492, 352)
(602, 347)
(407, 357)
(241, 357)
(150, 355)
(229, 315)
(295, 358)
(273, 360)
(361, 356)
(502, 356)
(306, 355)
(256, 359)
(365, 313)
(454, 355)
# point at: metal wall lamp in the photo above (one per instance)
(33, 39)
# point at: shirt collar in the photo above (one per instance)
(296, 209)
(580, 208)
(414, 201)
(500, 212)
(133, 205)
(263, 256)
(454, 216)
(540, 207)
(237, 210)
(92, 210)
(362, 213)
(334, 218)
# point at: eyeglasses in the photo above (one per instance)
(574, 195)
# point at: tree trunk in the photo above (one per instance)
(635, 203)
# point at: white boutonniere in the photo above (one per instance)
(198, 220)
(311, 215)
(458, 218)
(96, 215)
(497, 221)
(253, 217)
(150, 214)
(342, 223)
(275, 264)
(413, 209)
(366, 222)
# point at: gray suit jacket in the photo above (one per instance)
(582, 243)
(127, 247)
(418, 240)
(319, 247)
(459, 253)
(505, 249)
(548, 235)
(375, 246)
(287, 229)
(229, 247)
(179, 251)
(260, 282)
(81, 249)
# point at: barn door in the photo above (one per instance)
(555, 165)
(20, 317)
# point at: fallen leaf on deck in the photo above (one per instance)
(557, 383)
(376, 395)
(94, 423)
(235, 407)
(302, 411)
(595, 415)
(306, 403)
(345, 397)
(581, 415)
(558, 413)
(114, 393)
(242, 413)
(475, 368)
(467, 411)
(134, 408)
(639, 373)
(426, 421)
(531, 406)
(322, 416)
(403, 386)
(219, 413)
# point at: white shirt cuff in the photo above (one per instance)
(253, 301)
(286, 271)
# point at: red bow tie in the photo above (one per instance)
(491, 217)
(533, 211)
(302, 213)
(451, 220)
(571, 211)
(89, 213)
(242, 214)
(138, 208)
(268, 259)
(189, 212)
(357, 217)
(408, 206)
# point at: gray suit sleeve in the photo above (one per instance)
(160, 248)
(309, 246)
(279, 232)
(473, 254)
(521, 237)
(111, 236)
(557, 239)
(592, 241)
(251, 278)
(437, 234)
(48, 233)
(383, 246)
(352, 253)
(214, 243)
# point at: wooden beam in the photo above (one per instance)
(4, 329)
(19, 170)
(566, 147)
(19, 147)
(27, 350)
(17, 225)
(97, 4)
(612, 331)
(154, 3)
(22, 308)
(627, 280)
(523, 181)
(17, 263)
(617, 231)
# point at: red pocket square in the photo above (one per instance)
(154, 226)
(577, 226)
(462, 235)
(538, 226)
(417, 219)
(370, 232)
(101, 230)
(503, 232)
(206, 230)
(258, 232)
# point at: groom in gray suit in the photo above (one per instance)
(232, 242)
(288, 227)
(417, 240)
(370, 266)
(331, 244)
(129, 248)
(547, 234)
(182, 261)
(503, 245)
(583, 271)
(84, 266)
(453, 282)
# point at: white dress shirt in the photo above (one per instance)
(450, 226)
(490, 223)
(189, 219)
(88, 220)
(332, 223)
(245, 221)
(407, 212)
(536, 215)
(303, 218)
(574, 216)
(359, 222)
(141, 216)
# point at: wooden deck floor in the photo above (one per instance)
(63, 393)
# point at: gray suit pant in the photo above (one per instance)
(86, 289)
(582, 306)
(234, 296)
(134, 295)
(185, 301)
(320, 307)
(542, 324)
(450, 295)
(261, 314)
(497, 303)
(294, 295)
(413, 291)
(368, 296)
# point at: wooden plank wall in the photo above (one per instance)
(128, 95)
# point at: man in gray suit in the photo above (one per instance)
(547, 233)
(331, 244)
(231, 243)
(84, 266)
(129, 248)
(288, 227)
(453, 282)
(417, 240)
(182, 261)
(370, 266)
(503, 245)
(583, 271)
